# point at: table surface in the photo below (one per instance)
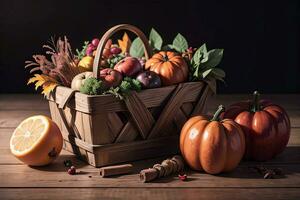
(18, 181)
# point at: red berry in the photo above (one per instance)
(115, 50)
(72, 170)
(89, 50)
(182, 177)
(95, 42)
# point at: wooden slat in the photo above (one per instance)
(108, 103)
(174, 103)
(141, 116)
(128, 133)
(149, 193)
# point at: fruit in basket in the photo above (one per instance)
(110, 77)
(149, 79)
(266, 127)
(95, 42)
(106, 52)
(170, 66)
(86, 64)
(115, 50)
(212, 145)
(79, 80)
(37, 141)
(129, 66)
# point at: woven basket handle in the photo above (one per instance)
(108, 34)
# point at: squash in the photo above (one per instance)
(266, 127)
(212, 146)
(79, 80)
(170, 66)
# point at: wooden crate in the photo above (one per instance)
(104, 130)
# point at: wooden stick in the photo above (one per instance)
(115, 170)
(166, 168)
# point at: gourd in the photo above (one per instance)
(266, 127)
(212, 145)
(170, 66)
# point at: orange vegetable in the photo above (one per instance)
(212, 146)
(170, 66)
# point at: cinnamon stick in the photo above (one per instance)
(166, 168)
(115, 170)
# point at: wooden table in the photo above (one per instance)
(18, 181)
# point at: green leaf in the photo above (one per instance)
(155, 39)
(206, 73)
(198, 55)
(218, 73)
(214, 58)
(180, 44)
(137, 48)
(136, 85)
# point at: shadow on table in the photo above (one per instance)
(288, 161)
(58, 164)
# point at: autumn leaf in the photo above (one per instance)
(125, 43)
(46, 82)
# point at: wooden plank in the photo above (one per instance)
(23, 102)
(12, 118)
(55, 176)
(149, 193)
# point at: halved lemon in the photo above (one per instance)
(36, 141)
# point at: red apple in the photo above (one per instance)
(149, 79)
(110, 77)
(129, 66)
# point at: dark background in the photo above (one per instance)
(260, 38)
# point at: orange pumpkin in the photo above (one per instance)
(212, 146)
(170, 66)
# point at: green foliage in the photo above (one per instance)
(180, 44)
(114, 60)
(91, 86)
(137, 48)
(155, 39)
(130, 84)
(115, 92)
(81, 54)
(203, 64)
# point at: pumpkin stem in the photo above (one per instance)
(216, 116)
(165, 57)
(255, 102)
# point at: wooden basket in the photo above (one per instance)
(104, 130)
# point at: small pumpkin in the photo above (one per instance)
(79, 80)
(266, 127)
(170, 66)
(212, 145)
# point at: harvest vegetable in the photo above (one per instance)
(266, 127)
(91, 86)
(170, 66)
(212, 145)
(79, 80)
